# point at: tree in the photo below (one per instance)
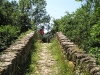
(40, 14)
(82, 26)
(35, 10)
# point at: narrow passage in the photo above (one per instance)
(46, 62)
(48, 59)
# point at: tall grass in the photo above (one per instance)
(62, 65)
(31, 68)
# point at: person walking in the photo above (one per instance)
(41, 31)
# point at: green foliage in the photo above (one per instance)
(23, 34)
(62, 65)
(39, 13)
(36, 10)
(32, 61)
(82, 26)
(7, 35)
(25, 13)
(95, 34)
(19, 17)
(78, 0)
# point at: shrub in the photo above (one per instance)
(8, 34)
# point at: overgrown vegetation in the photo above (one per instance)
(33, 58)
(82, 26)
(18, 17)
(62, 65)
(8, 34)
(23, 34)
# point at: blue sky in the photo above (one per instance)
(57, 8)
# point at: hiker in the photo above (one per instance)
(41, 31)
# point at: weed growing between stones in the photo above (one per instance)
(33, 57)
(62, 65)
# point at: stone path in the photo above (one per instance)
(46, 62)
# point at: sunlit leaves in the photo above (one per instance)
(40, 15)
(83, 26)
(7, 35)
(78, 0)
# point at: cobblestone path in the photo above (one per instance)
(46, 62)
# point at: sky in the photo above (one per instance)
(57, 8)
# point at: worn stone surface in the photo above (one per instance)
(80, 58)
(46, 61)
(14, 57)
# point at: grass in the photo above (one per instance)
(62, 65)
(33, 58)
(23, 34)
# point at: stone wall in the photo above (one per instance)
(79, 57)
(15, 57)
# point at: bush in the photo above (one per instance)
(8, 34)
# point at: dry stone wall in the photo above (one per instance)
(79, 57)
(15, 57)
